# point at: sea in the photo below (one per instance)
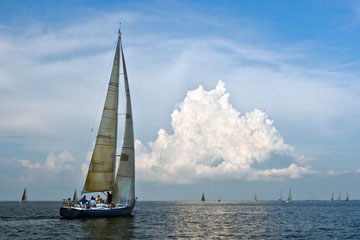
(188, 220)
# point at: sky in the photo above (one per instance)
(230, 98)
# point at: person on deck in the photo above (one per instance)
(98, 198)
(83, 201)
(109, 197)
(68, 203)
(92, 202)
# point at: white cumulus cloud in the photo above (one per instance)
(212, 140)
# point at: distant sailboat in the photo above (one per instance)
(24, 196)
(101, 176)
(75, 198)
(281, 197)
(203, 197)
(347, 197)
(289, 197)
(339, 197)
(332, 197)
(255, 198)
(219, 199)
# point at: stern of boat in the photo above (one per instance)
(69, 212)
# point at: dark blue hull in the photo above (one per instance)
(85, 213)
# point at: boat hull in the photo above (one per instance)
(71, 213)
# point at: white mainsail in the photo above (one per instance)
(124, 186)
(100, 176)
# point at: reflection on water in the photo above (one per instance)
(184, 220)
(110, 228)
(218, 220)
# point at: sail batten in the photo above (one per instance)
(102, 165)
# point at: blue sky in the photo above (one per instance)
(295, 60)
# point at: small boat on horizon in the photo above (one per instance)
(281, 197)
(332, 197)
(347, 197)
(101, 176)
(289, 197)
(203, 197)
(219, 200)
(255, 198)
(24, 197)
(339, 198)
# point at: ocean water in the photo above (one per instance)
(189, 220)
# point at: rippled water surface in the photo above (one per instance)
(177, 220)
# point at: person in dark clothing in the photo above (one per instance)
(83, 201)
(109, 197)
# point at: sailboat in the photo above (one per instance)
(347, 197)
(289, 197)
(332, 197)
(203, 197)
(281, 197)
(339, 198)
(24, 196)
(75, 198)
(219, 199)
(101, 175)
(255, 198)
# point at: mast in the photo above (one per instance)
(100, 175)
(124, 185)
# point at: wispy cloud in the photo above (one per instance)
(54, 163)
(342, 172)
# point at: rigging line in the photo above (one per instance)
(99, 101)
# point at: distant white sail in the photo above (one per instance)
(100, 176)
(281, 197)
(124, 187)
(289, 197)
(339, 197)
